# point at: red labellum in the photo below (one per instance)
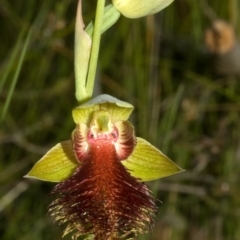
(102, 198)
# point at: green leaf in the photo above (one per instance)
(56, 165)
(117, 109)
(148, 163)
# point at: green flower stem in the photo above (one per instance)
(17, 72)
(95, 47)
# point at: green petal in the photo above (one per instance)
(56, 165)
(117, 109)
(148, 163)
(140, 8)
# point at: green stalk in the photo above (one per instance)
(12, 59)
(95, 47)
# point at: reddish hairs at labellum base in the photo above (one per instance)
(102, 198)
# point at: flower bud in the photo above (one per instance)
(140, 8)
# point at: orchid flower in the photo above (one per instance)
(101, 171)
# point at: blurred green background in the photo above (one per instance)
(157, 63)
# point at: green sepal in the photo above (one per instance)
(56, 165)
(148, 163)
(140, 8)
(118, 110)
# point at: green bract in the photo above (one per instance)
(84, 47)
(82, 52)
(145, 163)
